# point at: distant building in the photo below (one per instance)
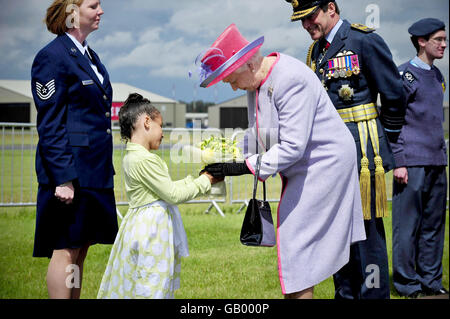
(16, 102)
(17, 105)
(200, 119)
(229, 114)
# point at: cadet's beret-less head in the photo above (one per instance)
(425, 27)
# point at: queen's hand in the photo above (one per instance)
(227, 169)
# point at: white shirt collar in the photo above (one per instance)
(82, 47)
(333, 31)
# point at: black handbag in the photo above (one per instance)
(257, 227)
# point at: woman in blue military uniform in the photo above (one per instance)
(355, 65)
(73, 95)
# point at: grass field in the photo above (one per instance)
(218, 266)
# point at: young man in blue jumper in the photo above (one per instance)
(420, 182)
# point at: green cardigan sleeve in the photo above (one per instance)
(153, 174)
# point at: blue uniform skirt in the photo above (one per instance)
(90, 219)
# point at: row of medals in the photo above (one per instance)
(342, 71)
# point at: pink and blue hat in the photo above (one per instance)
(227, 54)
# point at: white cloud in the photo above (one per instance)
(116, 40)
(150, 35)
(160, 57)
(196, 26)
(160, 40)
(293, 42)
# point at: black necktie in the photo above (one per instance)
(90, 57)
(86, 54)
(91, 60)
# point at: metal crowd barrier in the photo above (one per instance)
(18, 182)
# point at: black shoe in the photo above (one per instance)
(416, 294)
(439, 292)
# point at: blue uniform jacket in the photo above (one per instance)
(421, 142)
(378, 75)
(73, 117)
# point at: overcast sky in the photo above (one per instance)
(152, 44)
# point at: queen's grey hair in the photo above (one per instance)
(255, 59)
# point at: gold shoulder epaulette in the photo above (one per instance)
(362, 27)
(308, 57)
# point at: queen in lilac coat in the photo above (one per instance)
(319, 214)
(293, 121)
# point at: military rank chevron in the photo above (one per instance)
(45, 91)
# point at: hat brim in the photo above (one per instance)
(233, 63)
(303, 14)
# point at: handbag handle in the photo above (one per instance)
(255, 181)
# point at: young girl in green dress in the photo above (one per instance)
(146, 256)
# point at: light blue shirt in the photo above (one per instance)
(417, 62)
(333, 31)
(84, 48)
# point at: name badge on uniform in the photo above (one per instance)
(88, 82)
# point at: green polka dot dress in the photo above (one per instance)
(145, 260)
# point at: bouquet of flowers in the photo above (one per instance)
(217, 150)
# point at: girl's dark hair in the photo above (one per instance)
(134, 106)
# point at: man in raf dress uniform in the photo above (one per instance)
(355, 65)
(420, 181)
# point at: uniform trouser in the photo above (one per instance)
(366, 275)
(418, 225)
